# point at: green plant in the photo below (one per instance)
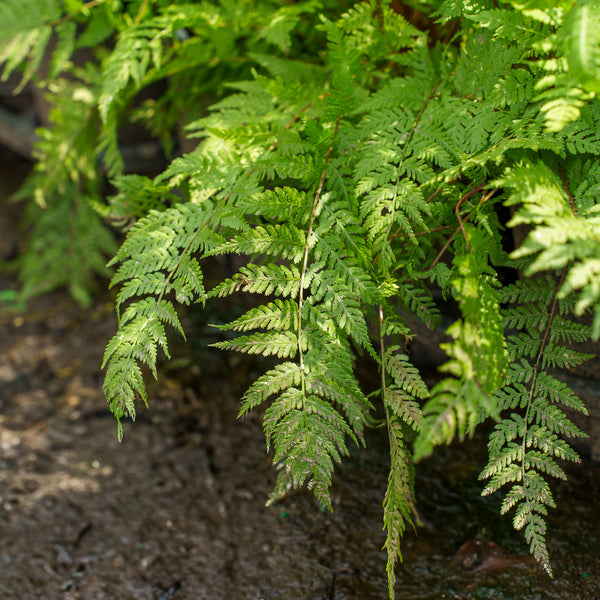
(361, 158)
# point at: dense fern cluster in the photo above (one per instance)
(360, 161)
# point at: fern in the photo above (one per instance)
(156, 264)
(478, 356)
(362, 166)
(25, 34)
(64, 187)
(524, 446)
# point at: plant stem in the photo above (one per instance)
(313, 213)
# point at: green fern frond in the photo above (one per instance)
(63, 233)
(524, 446)
(554, 419)
(157, 263)
(398, 504)
(310, 443)
(136, 197)
(286, 241)
(282, 344)
(562, 357)
(267, 279)
(526, 316)
(274, 315)
(404, 374)
(418, 299)
(558, 392)
(524, 344)
(478, 354)
(25, 32)
(283, 376)
(331, 297)
(280, 205)
(580, 35)
(283, 22)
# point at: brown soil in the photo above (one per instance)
(177, 511)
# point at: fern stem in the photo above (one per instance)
(461, 222)
(84, 7)
(383, 381)
(552, 315)
(441, 253)
(562, 175)
(536, 370)
(313, 213)
(458, 217)
(392, 202)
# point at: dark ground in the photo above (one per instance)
(177, 510)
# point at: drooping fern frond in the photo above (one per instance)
(566, 229)
(478, 356)
(525, 445)
(157, 266)
(62, 233)
(401, 389)
(580, 36)
(69, 244)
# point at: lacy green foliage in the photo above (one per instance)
(525, 446)
(69, 244)
(157, 262)
(478, 356)
(561, 205)
(360, 165)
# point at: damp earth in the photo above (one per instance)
(177, 510)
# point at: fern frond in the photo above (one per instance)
(558, 391)
(25, 32)
(553, 418)
(309, 439)
(404, 407)
(524, 446)
(136, 197)
(331, 296)
(525, 344)
(268, 279)
(478, 354)
(563, 357)
(404, 374)
(357, 164)
(281, 377)
(505, 432)
(282, 344)
(398, 503)
(286, 241)
(580, 35)
(529, 316)
(279, 205)
(156, 262)
(63, 233)
(418, 299)
(445, 415)
(283, 22)
(274, 315)
(510, 453)
(549, 443)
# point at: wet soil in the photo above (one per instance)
(177, 511)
